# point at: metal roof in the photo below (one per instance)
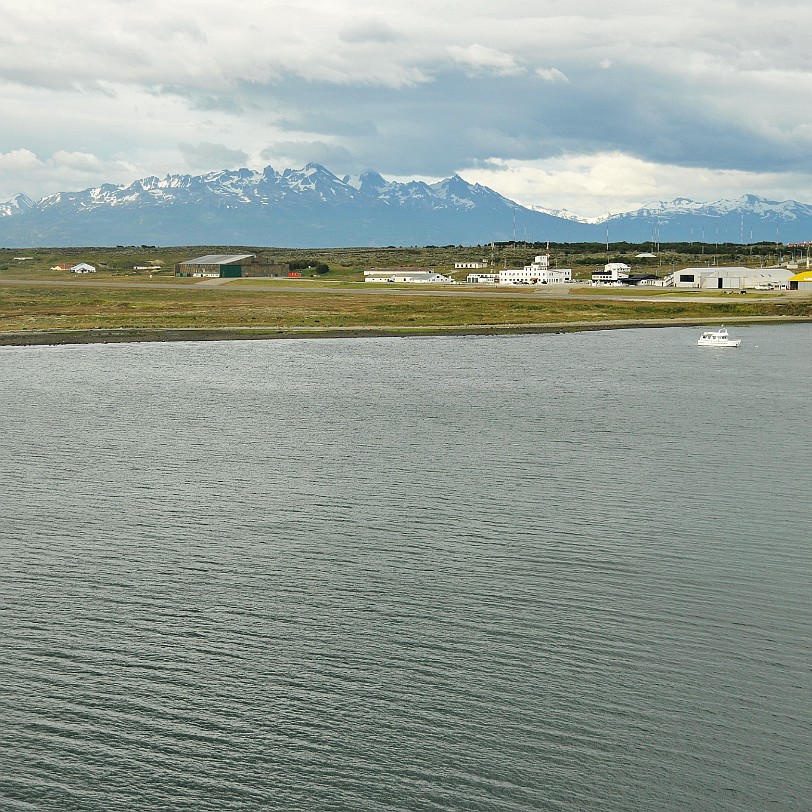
(217, 259)
(728, 272)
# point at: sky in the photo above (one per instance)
(589, 106)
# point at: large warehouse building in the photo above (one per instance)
(731, 278)
(801, 281)
(231, 266)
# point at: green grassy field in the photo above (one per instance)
(42, 307)
(338, 299)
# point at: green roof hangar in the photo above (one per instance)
(231, 266)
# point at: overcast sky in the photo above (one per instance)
(593, 106)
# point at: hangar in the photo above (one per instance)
(231, 266)
(729, 278)
(801, 281)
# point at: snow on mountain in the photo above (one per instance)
(566, 214)
(746, 204)
(746, 219)
(18, 204)
(312, 207)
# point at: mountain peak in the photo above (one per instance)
(311, 207)
(371, 183)
(17, 205)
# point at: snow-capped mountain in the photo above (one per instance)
(565, 214)
(18, 203)
(312, 207)
(309, 207)
(742, 220)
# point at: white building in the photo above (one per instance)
(421, 277)
(407, 275)
(482, 278)
(537, 272)
(83, 267)
(611, 274)
(378, 275)
(458, 266)
(731, 278)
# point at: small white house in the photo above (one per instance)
(482, 278)
(83, 267)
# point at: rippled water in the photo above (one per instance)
(520, 573)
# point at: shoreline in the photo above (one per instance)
(123, 335)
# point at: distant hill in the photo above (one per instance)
(313, 208)
(743, 220)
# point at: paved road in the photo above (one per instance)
(555, 292)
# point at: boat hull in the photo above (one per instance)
(719, 343)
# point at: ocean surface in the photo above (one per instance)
(549, 572)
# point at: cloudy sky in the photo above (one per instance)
(593, 106)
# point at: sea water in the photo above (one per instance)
(549, 572)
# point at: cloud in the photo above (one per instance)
(409, 88)
(77, 161)
(18, 160)
(481, 59)
(612, 182)
(297, 153)
(316, 121)
(551, 75)
(369, 31)
(205, 156)
(21, 170)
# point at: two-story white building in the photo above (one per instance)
(537, 272)
(612, 274)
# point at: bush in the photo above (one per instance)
(308, 265)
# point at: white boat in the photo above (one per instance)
(718, 338)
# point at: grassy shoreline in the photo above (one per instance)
(140, 335)
(48, 312)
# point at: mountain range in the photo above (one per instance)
(313, 208)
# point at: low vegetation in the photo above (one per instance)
(331, 293)
(35, 307)
(348, 264)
